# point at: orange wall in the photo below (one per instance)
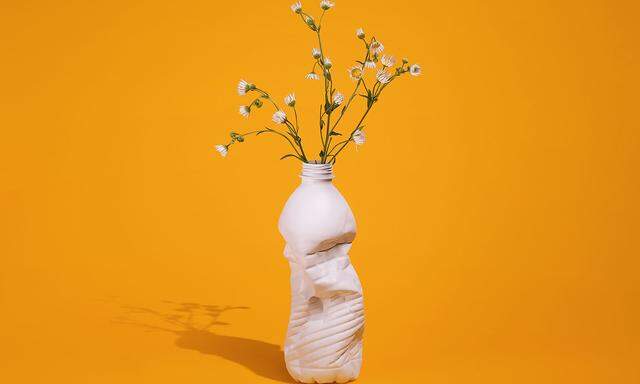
(496, 196)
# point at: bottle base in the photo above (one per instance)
(343, 374)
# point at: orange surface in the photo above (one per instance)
(496, 197)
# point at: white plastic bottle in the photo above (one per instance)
(324, 338)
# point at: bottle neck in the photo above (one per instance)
(312, 172)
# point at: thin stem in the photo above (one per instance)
(352, 132)
(295, 112)
(353, 94)
(288, 140)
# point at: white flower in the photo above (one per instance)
(415, 70)
(358, 137)
(327, 62)
(369, 64)
(244, 110)
(360, 33)
(376, 47)
(338, 98)
(244, 87)
(316, 53)
(279, 117)
(355, 72)
(326, 4)
(290, 99)
(222, 149)
(312, 76)
(383, 76)
(296, 7)
(388, 61)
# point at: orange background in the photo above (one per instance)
(496, 196)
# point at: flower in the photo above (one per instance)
(355, 72)
(244, 110)
(326, 5)
(290, 99)
(369, 64)
(279, 117)
(222, 149)
(296, 7)
(360, 33)
(383, 77)
(312, 76)
(358, 137)
(316, 53)
(376, 47)
(415, 70)
(327, 63)
(244, 87)
(388, 61)
(338, 98)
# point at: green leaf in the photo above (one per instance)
(240, 138)
(287, 155)
(322, 153)
(335, 133)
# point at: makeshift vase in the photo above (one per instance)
(324, 337)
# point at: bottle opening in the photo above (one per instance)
(314, 171)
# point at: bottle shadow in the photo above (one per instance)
(191, 323)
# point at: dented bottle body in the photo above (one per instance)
(324, 337)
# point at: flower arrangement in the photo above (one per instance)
(335, 104)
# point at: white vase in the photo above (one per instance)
(324, 338)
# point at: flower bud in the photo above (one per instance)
(316, 53)
(257, 103)
(310, 22)
(360, 33)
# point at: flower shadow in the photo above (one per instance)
(192, 324)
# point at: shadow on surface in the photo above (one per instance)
(192, 323)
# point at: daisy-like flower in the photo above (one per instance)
(327, 63)
(222, 149)
(370, 64)
(388, 61)
(338, 98)
(376, 47)
(326, 5)
(312, 76)
(279, 117)
(360, 33)
(355, 72)
(383, 76)
(244, 110)
(290, 99)
(415, 70)
(296, 7)
(316, 53)
(244, 87)
(358, 137)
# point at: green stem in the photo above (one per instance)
(299, 156)
(352, 132)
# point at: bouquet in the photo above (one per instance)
(334, 103)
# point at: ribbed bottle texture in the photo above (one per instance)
(324, 337)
